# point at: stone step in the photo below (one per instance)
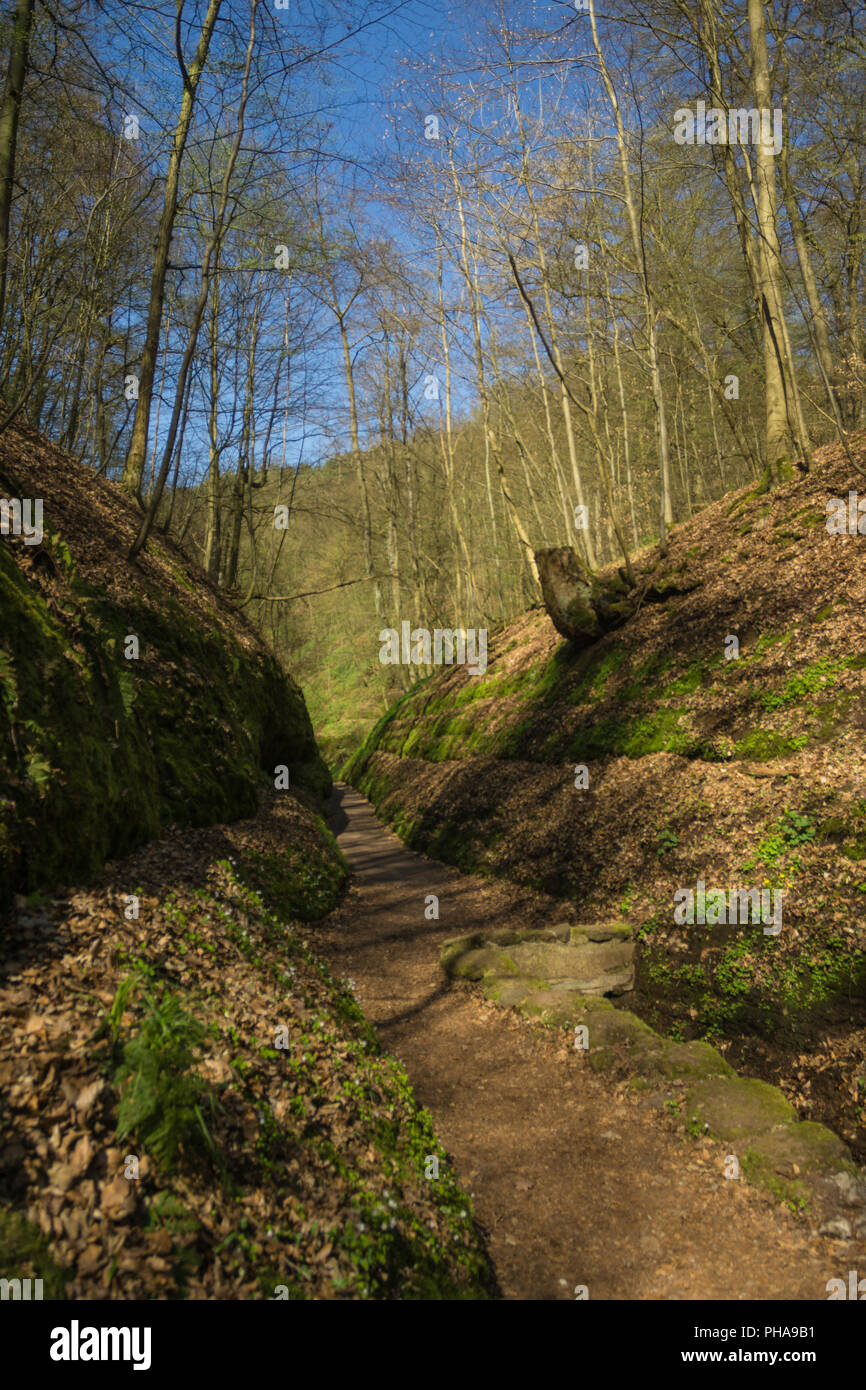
(590, 960)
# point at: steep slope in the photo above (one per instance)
(192, 1105)
(705, 771)
(133, 698)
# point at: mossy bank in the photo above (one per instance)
(133, 697)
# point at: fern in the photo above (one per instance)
(163, 1099)
(39, 772)
(124, 992)
(8, 684)
(128, 690)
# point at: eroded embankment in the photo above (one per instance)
(701, 770)
(133, 697)
(194, 1107)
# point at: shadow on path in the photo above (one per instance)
(572, 1181)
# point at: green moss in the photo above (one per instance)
(733, 1108)
(645, 677)
(602, 667)
(511, 742)
(656, 732)
(99, 753)
(766, 641)
(818, 676)
(750, 987)
(376, 738)
(691, 680)
(791, 1191)
(763, 745)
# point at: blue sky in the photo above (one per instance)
(375, 54)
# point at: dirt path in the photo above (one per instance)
(573, 1183)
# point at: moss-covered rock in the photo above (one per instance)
(790, 1160)
(811, 1147)
(581, 605)
(605, 931)
(475, 964)
(737, 1107)
(508, 991)
(619, 1028)
(691, 1060)
(561, 957)
(557, 1008)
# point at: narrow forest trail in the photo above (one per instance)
(573, 1183)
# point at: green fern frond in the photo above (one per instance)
(163, 1099)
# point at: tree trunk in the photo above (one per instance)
(211, 257)
(9, 115)
(635, 224)
(366, 518)
(769, 257)
(134, 466)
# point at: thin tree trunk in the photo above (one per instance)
(211, 252)
(366, 517)
(212, 546)
(778, 404)
(10, 112)
(446, 437)
(798, 231)
(134, 466)
(636, 227)
(587, 544)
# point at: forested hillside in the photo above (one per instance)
(714, 739)
(134, 699)
(547, 305)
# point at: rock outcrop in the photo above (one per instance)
(562, 959)
(563, 976)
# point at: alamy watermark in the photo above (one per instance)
(22, 517)
(76, 1343)
(855, 1290)
(25, 1289)
(740, 126)
(846, 518)
(417, 646)
(729, 907)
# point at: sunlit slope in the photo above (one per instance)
(702, 768)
